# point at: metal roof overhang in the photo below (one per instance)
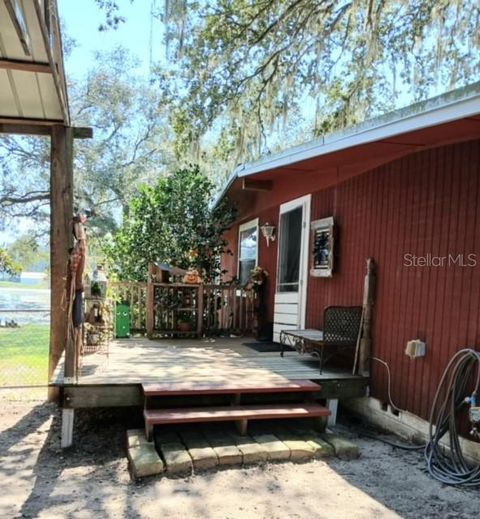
(33, 94)
(452, 117)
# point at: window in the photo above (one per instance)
(247, 249)
(322, 249)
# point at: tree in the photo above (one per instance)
(112, 14)
(131, 146)
(8, 265)
(22, 194)
(27, 252)
(173, 222)
(132, 140)
(245, 66)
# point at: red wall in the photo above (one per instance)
(425, 203)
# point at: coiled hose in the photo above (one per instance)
(451, 468)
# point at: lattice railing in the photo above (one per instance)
(177, 309)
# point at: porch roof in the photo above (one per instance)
(448, 118)
(33, 93)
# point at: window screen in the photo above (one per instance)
(290, 245)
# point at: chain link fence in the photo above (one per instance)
(24, 346)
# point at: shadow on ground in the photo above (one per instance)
(91, 479)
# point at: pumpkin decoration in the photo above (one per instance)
(192, 277)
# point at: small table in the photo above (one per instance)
(309, 341)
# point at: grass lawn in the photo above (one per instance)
(11, 284)
(24, 355)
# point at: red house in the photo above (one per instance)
(403, 189)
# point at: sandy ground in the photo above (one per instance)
(91, 480)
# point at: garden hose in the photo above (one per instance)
(450, 399)
(452, 468)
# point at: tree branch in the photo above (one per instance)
(33, 196)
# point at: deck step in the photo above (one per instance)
(199, 388)
(230, 413)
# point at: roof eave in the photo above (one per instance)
(441, 109)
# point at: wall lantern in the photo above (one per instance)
(268, 232)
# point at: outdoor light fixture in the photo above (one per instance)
(268, 232)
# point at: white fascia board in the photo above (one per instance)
(354, 137)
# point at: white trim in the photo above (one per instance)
(451, 106)
(304, 258)
(247, 225)
(323, 222)
(305, 203)
(373, 130)
(244, 227)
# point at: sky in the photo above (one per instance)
(81, 20)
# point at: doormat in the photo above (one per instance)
(266, 347)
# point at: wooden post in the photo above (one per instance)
(368, 302)
(150, 302)
(67, 428)
(332, 404)
(200, 311)
(241, 426)
(61, 212)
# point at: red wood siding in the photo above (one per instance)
(425, 203)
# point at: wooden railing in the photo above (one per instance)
(228, 308)
(177, 309)
(174, 309)
(134, 294)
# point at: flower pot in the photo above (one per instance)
(184, 326)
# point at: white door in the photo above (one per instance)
(292, 266)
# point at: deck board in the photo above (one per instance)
(225, 361)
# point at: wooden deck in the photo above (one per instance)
(116, 379)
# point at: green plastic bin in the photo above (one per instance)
(122, 321)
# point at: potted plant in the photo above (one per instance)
(258, 280)
(185, 321)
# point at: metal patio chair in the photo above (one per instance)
(341, 330)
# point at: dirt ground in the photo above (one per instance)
(91, 480)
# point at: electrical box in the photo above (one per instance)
(415, 349)
(474, 415)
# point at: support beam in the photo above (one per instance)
(332, 405)
(25, 66)
(15, 10)
(257, 185)
(81, 132)
(28, 126)
(67, 428)
(23, 128)
(241, 426)
(58, 81)
(150, 301)
(61, 212)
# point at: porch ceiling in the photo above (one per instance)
(33, 92)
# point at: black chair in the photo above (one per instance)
(341, 329)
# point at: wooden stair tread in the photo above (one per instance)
(221, 413)
(205, 388)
